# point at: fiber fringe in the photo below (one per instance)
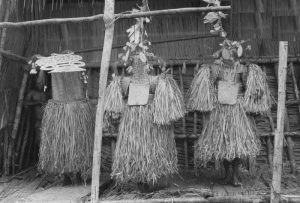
(168, 104)
(113, 97)
(144, 151)
(229, 133)
(200, 94)
(257, 98)
(67, 138)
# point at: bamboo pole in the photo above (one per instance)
(186, 162)
(277, 161)
(25, 140)
(5, 151)
(3, 33)
(269, 142)
(18, 116)
(115, 16)
(108, 18)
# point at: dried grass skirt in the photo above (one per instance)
(229, 133)
(144, 151)
(67, 138)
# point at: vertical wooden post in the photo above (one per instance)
(258, 18)
(289, 141)
(296, 89)
(65, 36)
(108, 18)
(11, 152)
(196, 68)
(186, 162)
(277, 161)
(4, 30)
(269, 142)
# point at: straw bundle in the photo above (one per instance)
(67, 138)
(168, 102)
(145, 151)
(114, 103)
(200, 94)
(67, 128)
(257, 98)
(228, 134)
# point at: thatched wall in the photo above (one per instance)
(48, 39)
(88, 35)
(19, 41)
(266, 22)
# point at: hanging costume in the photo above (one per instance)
(68, 123)
(230, 92)
(145, 149)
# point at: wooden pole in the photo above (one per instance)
(3, 33)
(11, 152)
(296, 89)
(279, 134)
(185, 144)
(290, 144)
(108, 18)
(117, 16)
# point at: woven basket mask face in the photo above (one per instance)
(227, 92)
(139, 86)
(227, 88)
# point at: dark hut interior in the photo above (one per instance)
(183, 41)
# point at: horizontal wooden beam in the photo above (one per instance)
(117, 46)
(117, 16)
(14, 56)
(193, 136)
(180, 61)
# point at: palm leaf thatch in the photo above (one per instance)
(55, 4)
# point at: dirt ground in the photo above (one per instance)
(34, 188)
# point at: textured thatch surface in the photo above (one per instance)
(67, 138)
(90, 34)
(266, 23)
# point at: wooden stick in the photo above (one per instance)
(65, 35)
(118, 46)
(116, 16)
(24, 144)
(6, 162)
(294, 6)
(194, 136)
(186, 157)
(195, 113)
(289, 139)
(29, 149)
(258, 18)
(290, 151)
(109, 10)
(3, 34)
(21, 133)
(296, 89)
(15, 57)
(277, 162)
(269, 142)
(18, 114)
(208, 59)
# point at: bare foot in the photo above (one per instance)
(235, 182)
